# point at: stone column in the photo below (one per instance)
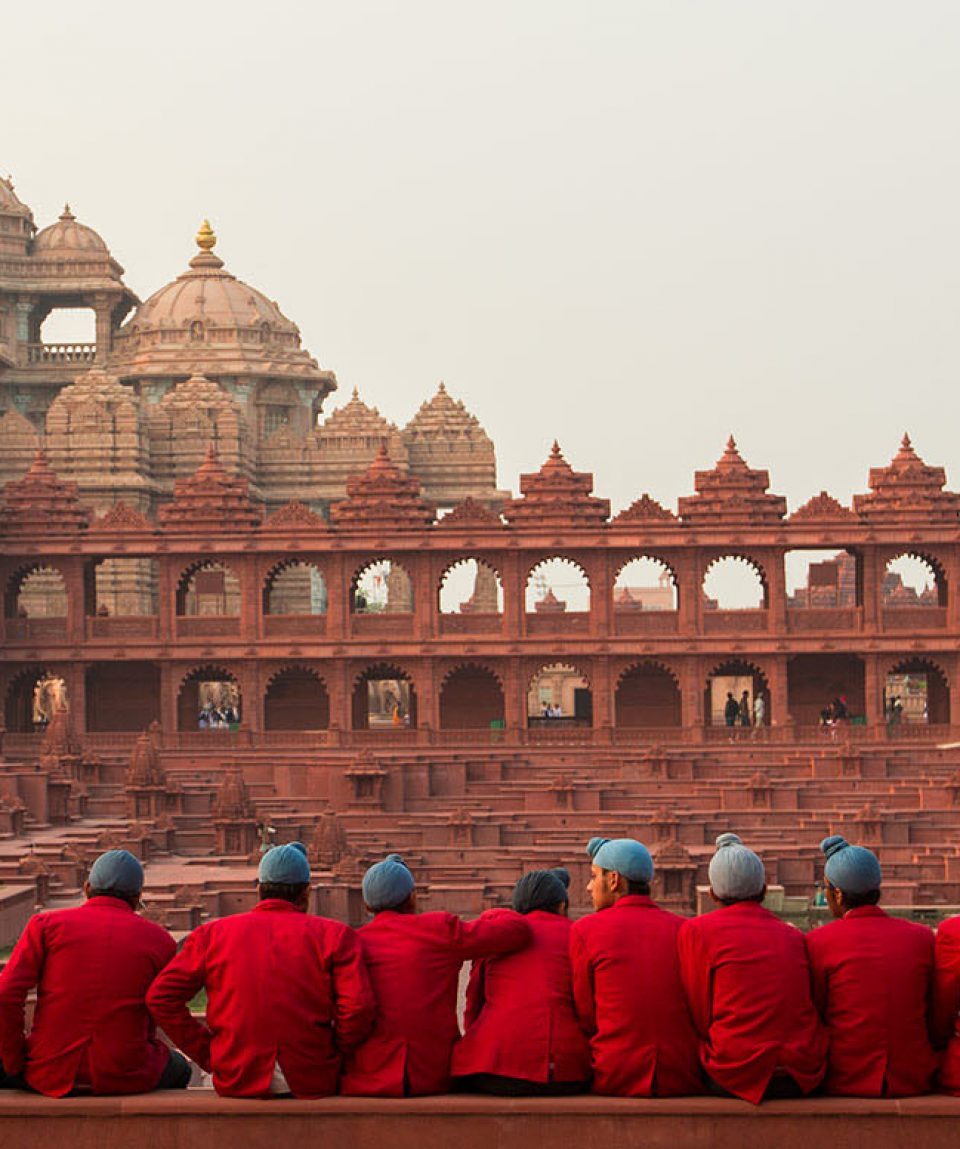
(773, 562)
(104, 327)
(425, 600)
(692, 689)
(167, 573)
(514, 699)
(338, 598)
(511, 573)
(73, 580)
(601, 596)
(952, 667)
(246, 569)
(873, 690)
(777, 680)
(689, 574)
(873, 567)
(169, 681)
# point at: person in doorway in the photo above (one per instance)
(414, 962)
(759, 712)
(626, 980)
(745, 708)
(731, 710)
(872, 983)
(522, 1035)
(287, 992)
(92, 966)
(747, 981)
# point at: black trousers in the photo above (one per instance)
(176, 1075)
(498, 1086)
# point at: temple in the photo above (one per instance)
(230, 618)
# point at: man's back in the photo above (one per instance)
(93, 966)
(872, 977)
(414, 964)
(629, 997)
(284, 989)
(748, 985)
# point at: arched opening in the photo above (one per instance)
(731, 696)
(557, 597)
(123, 588)
(822, 580)
(384, 698)
(69, 326)
(734, 582)
(33, 697)
(916, 693)
(209, 699)
(647, 696)
(644, 584)
(559, 693)
(295, 588)
(382, 587)
(913, 580)
(122, 695)
(825, 687)
(36, 592)
(471, 587)
(471, 698)
(296, 699)
(208, 589)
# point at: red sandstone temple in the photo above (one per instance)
(229, 619)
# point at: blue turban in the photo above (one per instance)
(540, 890)
(853, 869)
(388, 884)
(117, 872)
(625, 855)
(299, 846)
(284, 866)
(736, 872)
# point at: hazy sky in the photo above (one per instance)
(632, 226)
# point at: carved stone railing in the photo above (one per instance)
(914, 618)
(627, 622)
(733, 621)
(33, 628)
(563, 622)
(823, 618)
(471, 623)
(208, 626)
(123, 626)
(381, 625)
(291, 625)
(65, 354)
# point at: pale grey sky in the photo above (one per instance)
(632, 226)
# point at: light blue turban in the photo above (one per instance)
(118, 872)
(299, 846)
(853, 869)
(284, 866)
(735, 871)
(625, 855)
(388, 884)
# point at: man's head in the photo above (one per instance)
(736, 872)
(116, 874)
(620, 866)
(852, 875)
(285, 873)
(389, 885)
(542, 890)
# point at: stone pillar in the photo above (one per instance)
(428, 695)
(338, 598)
(514, 699)
(73, 580)
(602, 694)
(76, 680)
(692, 689)
(953, 668)
(689, 574)
(246, 570)
(251, 697)
(873, 690)
(773, 562)
(169, 681)
(167, 599)
(951, 573)
(425, 600)
(104, 327)
(601, 596)
(873, 567)
(777, 680)
(511, 573)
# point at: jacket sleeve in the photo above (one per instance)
(475, 997)
(354, 1006)
(819, 976)
(696, 977)
(581, 972)
(946, 983)
(494, 932)
(168, 997)
(21, 974)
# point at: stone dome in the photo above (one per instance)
(67, 237)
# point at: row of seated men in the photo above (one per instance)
(629, 1001)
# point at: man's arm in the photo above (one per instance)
(354, 1006)
(696, 977)
(167, 999)
(584, 997)
(21, 974)
(494, 932)
(946, 982)
(475, 996)
(819, 976)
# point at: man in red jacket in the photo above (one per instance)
(747, 981)
(872, 982)
(414, 963)
(287, 993)
(946, 1002)
(626, 980)
(92, 966)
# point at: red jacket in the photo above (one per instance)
(626, 983)
(283, 987)
(946, 1002)
(414, 962)
(872, 982)
(92, 965)
(520, 1018)
(748, 984)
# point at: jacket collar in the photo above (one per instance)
(865, 912)
(105, 902)
(641, 901)
(276, 906)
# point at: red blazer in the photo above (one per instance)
(282, 987)
(872, 982)
(946, 1002)
(92, 965)
(520, 1018)
(414, 962)
(748, 984)
(629, 997)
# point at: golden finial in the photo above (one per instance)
(206, 238)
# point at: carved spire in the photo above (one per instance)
(732, 493)
(382, 497)
(41, 503)
(908, 488)
(557, 496)
(211, 499)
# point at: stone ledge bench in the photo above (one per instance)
(200, 1118)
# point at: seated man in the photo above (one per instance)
(287, 993)
(414, 963)
(626, 980)
(92, 966)
(946, 1003)
(872, 982)
(747, 980)
(522, 1035)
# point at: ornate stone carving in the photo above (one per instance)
(557, 497)
(382, 497)
(732, 493)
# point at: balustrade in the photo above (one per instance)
(67, 354)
